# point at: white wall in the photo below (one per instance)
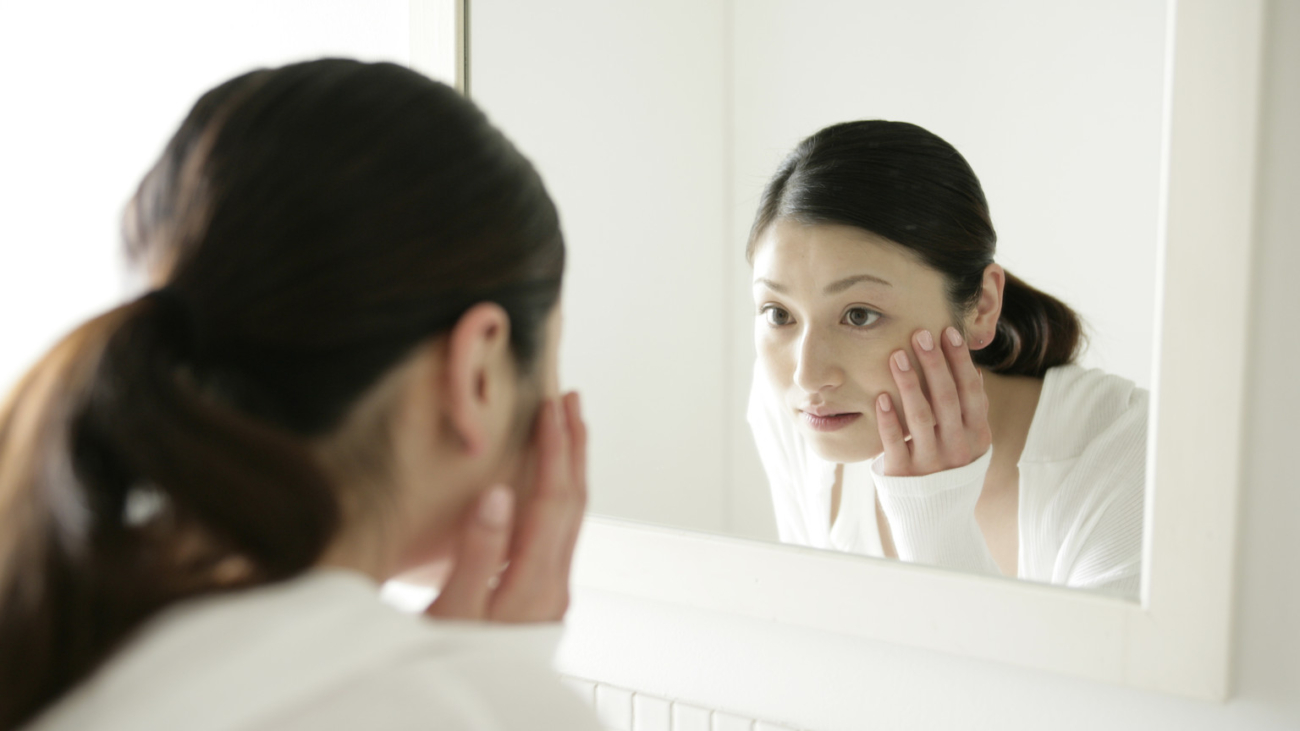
(92, 91)
(827, 682)
(620, 106)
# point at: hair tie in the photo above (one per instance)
(174, 318)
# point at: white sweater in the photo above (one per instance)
(321, 652)
(1082, 490)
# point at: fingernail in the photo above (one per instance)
(883, 400)
(925, 341)
(494, 510)
(954, 337)
(900, 360)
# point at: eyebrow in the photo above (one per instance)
(834, 287)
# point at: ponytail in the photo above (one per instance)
(1035, 332)
(123, 489)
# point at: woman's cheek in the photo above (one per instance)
(877, 378)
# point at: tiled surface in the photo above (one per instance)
(728, 722)
(620, 709)
(585, 689)
(649, 712)
(691, 718)
(614, 707)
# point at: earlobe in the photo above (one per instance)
(475, 347)
(983, 325)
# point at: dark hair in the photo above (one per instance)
(905, 184)
(316, 223)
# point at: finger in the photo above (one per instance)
(578, 475)
(546, 446)
(534, 587)
(482, 551)
(969, 381)
(944, 401)
(577, 442)
(433, 574)
(897, 454)
(916, 413)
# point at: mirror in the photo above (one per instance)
(657, 126)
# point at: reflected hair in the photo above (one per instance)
(311, 226)
(905, 184)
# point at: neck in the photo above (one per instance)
(355, 553)
(368, 538)
(1012, 402)
(392, 537)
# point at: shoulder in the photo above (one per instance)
(267, 657)
(484, 678)
(1083, 482)
(1079, 406)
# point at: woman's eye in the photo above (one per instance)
(776, 316)
(861, 316)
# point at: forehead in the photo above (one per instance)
(804, 257)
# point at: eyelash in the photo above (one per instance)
(873, 320)
(766, 309)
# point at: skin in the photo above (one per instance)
(851, 323)
(469, 487)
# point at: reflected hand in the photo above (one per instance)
(949, 429)
(538, 552)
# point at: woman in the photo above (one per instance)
(349, 350)
(912, 398)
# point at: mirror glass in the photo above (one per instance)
(657, 126)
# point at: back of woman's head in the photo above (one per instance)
(308, 227)
(905, 184)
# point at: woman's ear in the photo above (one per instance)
(477, 373)
(982, 323)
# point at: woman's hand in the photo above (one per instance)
(534, 585)
(950, 429)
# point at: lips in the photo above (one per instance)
(821, 418)
(825, 410)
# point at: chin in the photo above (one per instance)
(840, 450)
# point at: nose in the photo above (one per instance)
(816, 369)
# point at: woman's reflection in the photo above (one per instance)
(914, 399)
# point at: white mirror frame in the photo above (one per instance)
(1177, 640)
(439, 40)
